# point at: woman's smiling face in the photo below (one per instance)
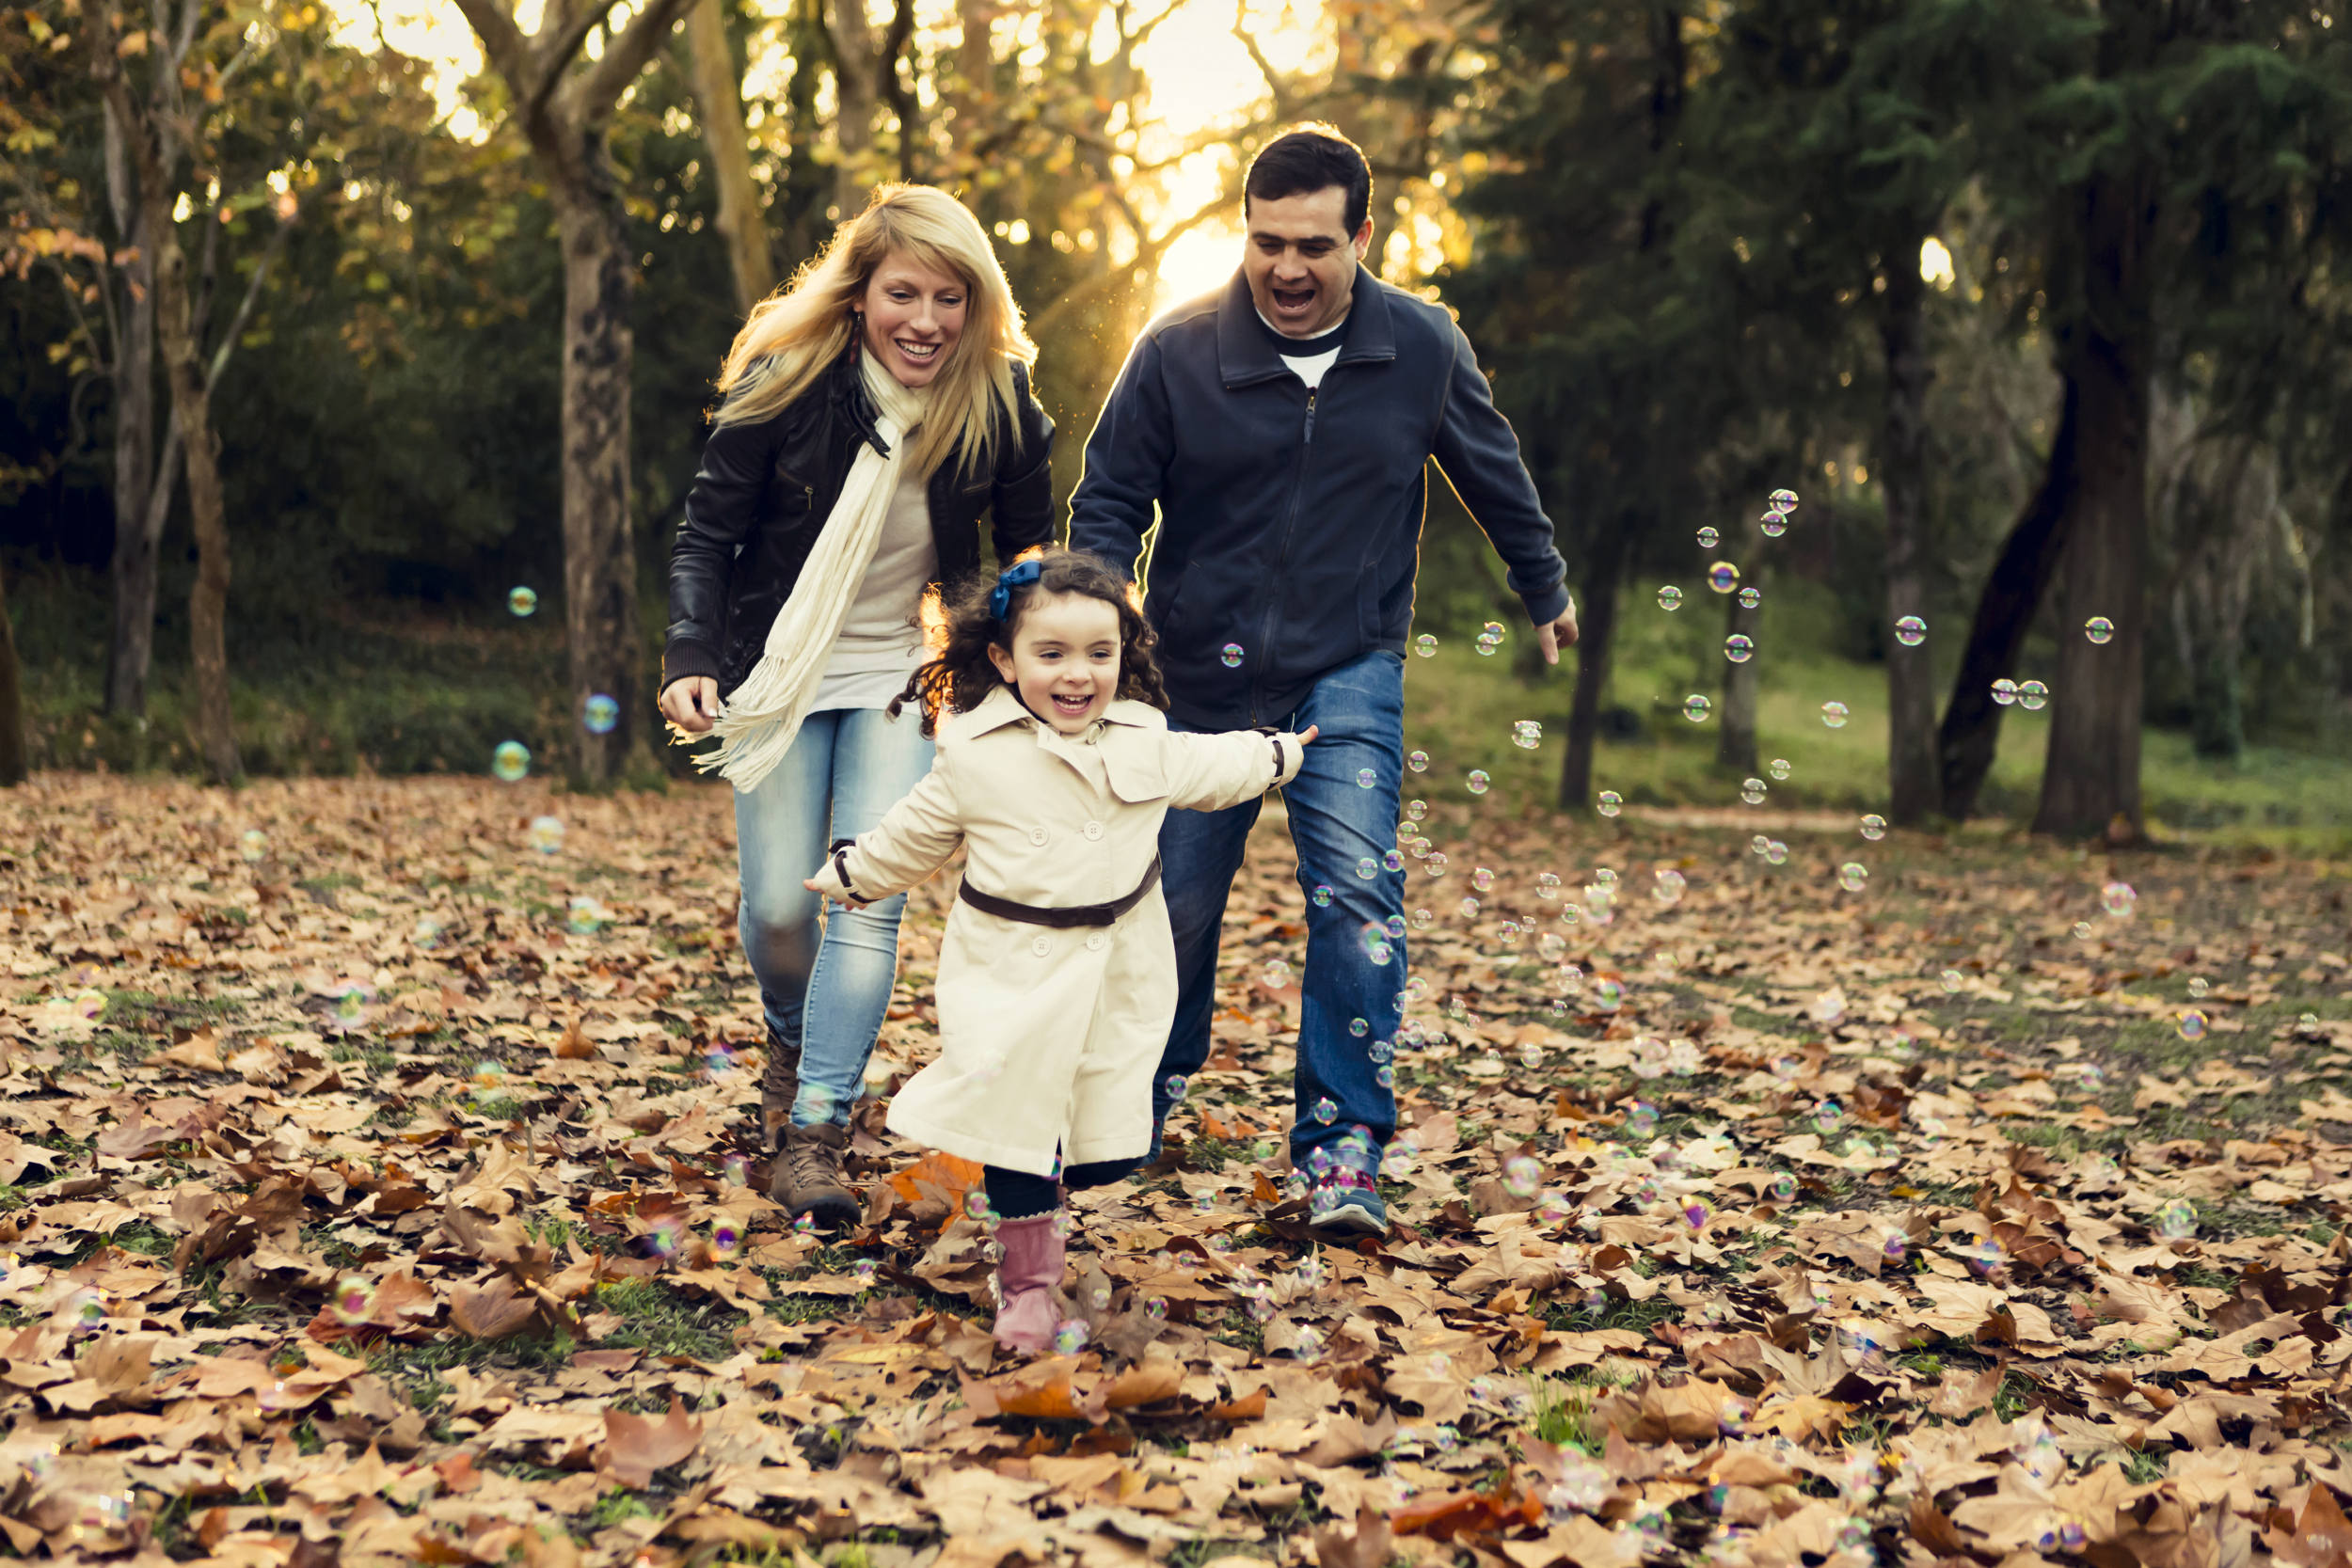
(913, 317)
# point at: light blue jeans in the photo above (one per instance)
(826, 991)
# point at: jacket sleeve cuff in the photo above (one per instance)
(682, 660)
(1546, 605)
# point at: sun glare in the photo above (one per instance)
(1204, 87)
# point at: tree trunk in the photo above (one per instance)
(852, 35)
(1914, 783)
(130, 646)
(2005, 610)
(1598, 626)
(718, 103)
(15, 757)
(1735, 748)
(208, 513)
(2091, 781)
(600, 563)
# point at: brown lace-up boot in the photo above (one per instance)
(809, 1181)
(779, 1085)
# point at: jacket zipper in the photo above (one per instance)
(1282, 557)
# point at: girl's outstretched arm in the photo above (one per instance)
(912, 840)
(1210, 772)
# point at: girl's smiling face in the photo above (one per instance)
(1064, 663)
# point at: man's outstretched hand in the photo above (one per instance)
(1557, 635)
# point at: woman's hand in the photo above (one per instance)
(691, 703)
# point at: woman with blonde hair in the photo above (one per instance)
(872, 412)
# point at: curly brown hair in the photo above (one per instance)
(959, 629)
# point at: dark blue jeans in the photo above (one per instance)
(1339, 825)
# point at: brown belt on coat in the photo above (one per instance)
(1077, 915)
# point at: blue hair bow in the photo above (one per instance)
(1019, 575)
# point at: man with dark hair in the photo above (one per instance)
(1271, 440)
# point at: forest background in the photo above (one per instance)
(2041, 308)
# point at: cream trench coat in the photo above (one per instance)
(1049, 1037)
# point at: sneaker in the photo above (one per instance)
(1346, 1196)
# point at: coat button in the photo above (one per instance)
(1037, 835)
(1092, 830)
(1094, 943)
(1041, 946)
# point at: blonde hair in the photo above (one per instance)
(793, 337)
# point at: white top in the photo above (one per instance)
(1308, 368)
(880, 643)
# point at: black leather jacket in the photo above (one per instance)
(765, 490)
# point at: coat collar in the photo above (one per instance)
(1001, 707)
(1244, 358)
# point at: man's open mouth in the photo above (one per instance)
(1293, 299)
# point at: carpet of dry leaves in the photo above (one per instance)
(383, 1186)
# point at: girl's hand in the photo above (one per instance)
(1307, 737)
(815, 886)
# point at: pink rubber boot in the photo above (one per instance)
(1025, 1281)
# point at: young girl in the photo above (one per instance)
(1058, 976)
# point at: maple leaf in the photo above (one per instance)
(636, 1447)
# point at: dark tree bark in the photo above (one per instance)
(15, 754)
(1604, 565)
(1915, 783)
(2012, 595)
(565, 114)
(2090, 782)
(131, 645)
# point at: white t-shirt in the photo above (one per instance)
(880, 643)
(1309, 367)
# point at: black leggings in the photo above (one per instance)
(1018, 1195)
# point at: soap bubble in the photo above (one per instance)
(521, 601)
(1608, 995)
(1851, 874)
(1722, 577)
(1776, 852)
(1911, 631)
(1827, 1116)
(1172, 1088)
(511, 760)
(1469, 909)
(2004, 691)
(1752, 791)
(1775, 523)
(253, 844)
(1278, 975)
(1325, 1110)
(1416, 810)
(1695, 1214)
(1424, 644)
(2198, 986)
(1527, 733)
(1367, 868)
(427, 931)
(1230, 654)
(1418, 762)
(1783, 501)
(587, 917)
(2033, 696)
(1696, 708)
(2099, 630)
(1436, 864)
(1783, 1188)
(1897, 1246)
(2192, 1024)
(1738, 647)
(546, 835)
(2176, 1219)
(1708, 538)
(1778, 767)
(2119, 899)
(1874, 827)
(1321, 896)
(1070, 1337)
(1478, 781)
(1485, 647)
(1669, 887)
(726, 1240)
(1610, 802)
(599, 714)
(1834, 715)
(351, 1003)
(1421, 920)
(1492, 630)
(1523, 1174)
(1530, 1056)
(1483, 878)
(1641, 1119)
(1751, 596)
(1670, 597)
(353, 1300)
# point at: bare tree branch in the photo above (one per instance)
(596, 93)
(558, 42)
(1256, 57)
(504, 44)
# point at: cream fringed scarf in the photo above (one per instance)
(756, 726)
